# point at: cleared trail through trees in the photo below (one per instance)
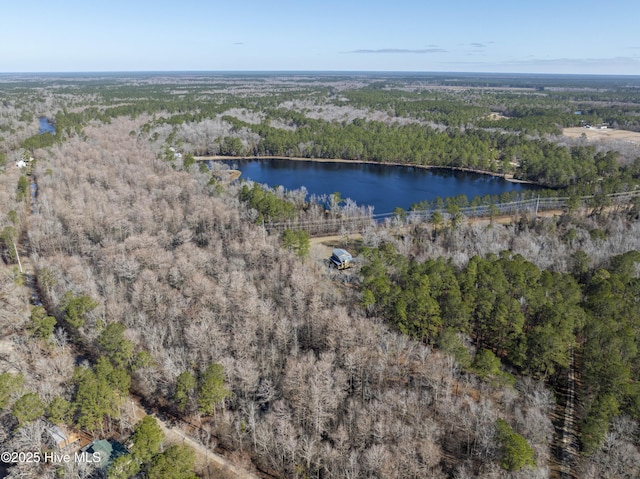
(208, 463)
(24, 247)
(565, 443)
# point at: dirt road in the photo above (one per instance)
(208, 463)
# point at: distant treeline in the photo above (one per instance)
(439, 127)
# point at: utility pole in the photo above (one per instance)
(18, 256)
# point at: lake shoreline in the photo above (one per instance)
(507, 177)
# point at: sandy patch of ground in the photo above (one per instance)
(229, 175)
(607, 134)
(321, 248)
(496, 116)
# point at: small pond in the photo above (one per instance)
(46, 126)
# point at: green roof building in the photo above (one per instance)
(103, 452)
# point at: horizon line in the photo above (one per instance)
(307, 72)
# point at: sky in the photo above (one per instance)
(515, 36)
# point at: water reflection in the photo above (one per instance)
(384, 187)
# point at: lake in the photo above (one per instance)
(384, 187)
(46, 126)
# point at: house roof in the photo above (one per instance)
(62, 436)
(58, 435)
(342, 255)
(108, 450)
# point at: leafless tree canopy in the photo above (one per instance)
(318, 388)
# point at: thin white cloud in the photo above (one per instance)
(400, 50)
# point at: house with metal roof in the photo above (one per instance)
(341, 258)
(103, 452)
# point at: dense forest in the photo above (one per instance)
(143, 295)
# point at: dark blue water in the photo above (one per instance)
(382, 186)
(46, 126)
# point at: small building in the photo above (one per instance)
(63, 437)
(176, 154)
(23, 162)
(341, 259)
(103, 452)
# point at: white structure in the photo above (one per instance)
(24, 161)
(341, 259)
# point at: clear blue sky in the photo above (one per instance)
(543, 36)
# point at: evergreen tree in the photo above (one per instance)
(212, 390)
(123, 467)
(185, 387)
(177, 462)
(99, 393)
(59, 410)
(76, 307)
(41, 325)
(516, 451)
(118, 349)
(28, 408)
(147, 438)
(22, 189)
